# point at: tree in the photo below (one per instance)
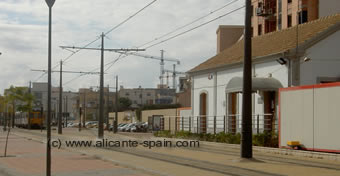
(15, 95)
(124, 103)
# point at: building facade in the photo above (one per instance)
(148, 96)
(273, 15)
(277, 62)
(88, 100)
(39, 91)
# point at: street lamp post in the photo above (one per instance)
(50, 4)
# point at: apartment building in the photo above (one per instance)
(89, 99)
(148, 96)
(39, 91)
(273, 15)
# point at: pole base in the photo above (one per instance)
(247, 160)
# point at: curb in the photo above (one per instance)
(280, 151)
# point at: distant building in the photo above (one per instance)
(274, 15)
(147, 96)
(39, 91)
(184, 94)
(89, 99)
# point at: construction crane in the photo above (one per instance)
(174, 75)
(162, 59)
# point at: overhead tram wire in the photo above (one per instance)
(110, 63)
(115, 27)
(188, 24)
(203, 24)
(118, 25)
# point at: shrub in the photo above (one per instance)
(266, 139)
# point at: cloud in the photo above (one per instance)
(23, 39)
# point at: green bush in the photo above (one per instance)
(166, 134)
(266, 139)
(183, 134)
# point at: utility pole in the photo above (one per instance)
(60, 129)
(84, 115)
(79, 129)
(246, 137)
(115, 121)
(66, 112)
(101, 95)
(29, 111)
(50, 3)
(107, 107)
(174, 77)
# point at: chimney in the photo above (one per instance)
(228, 35)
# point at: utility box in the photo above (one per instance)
(310, 115)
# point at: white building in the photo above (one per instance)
(277, 62)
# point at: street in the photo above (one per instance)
(26, 156)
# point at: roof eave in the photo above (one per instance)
(258, 59)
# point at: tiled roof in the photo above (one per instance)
(271, 43)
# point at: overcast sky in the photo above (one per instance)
(24, 32)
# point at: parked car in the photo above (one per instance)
(131, 127)
(127, 127)
(91, 124)
(122, 126)
(74, 125)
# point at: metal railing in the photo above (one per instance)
(216, 124)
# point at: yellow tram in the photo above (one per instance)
(36, 119)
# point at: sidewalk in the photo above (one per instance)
(211, 159)
(27, 158)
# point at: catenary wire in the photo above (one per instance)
(188, 24)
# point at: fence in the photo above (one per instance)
(217, 124)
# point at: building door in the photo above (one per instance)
(203, 113)
(232, 112)
(269, 110)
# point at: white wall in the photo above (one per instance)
(203, 84)
(311, 116)
(328, 7)
(325, 60)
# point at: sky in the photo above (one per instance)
(24, 38)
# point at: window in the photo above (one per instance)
(148, 94)
(279, 22)
(289, 19)
(303, 17)
(259, 30)
(38, 95)
(127, 94)
(279, 18)
(252, 35)
(252, 10)
(289, 1)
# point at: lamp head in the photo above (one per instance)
(50, 3)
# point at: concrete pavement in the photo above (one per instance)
(209, 159)
(27, 158)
